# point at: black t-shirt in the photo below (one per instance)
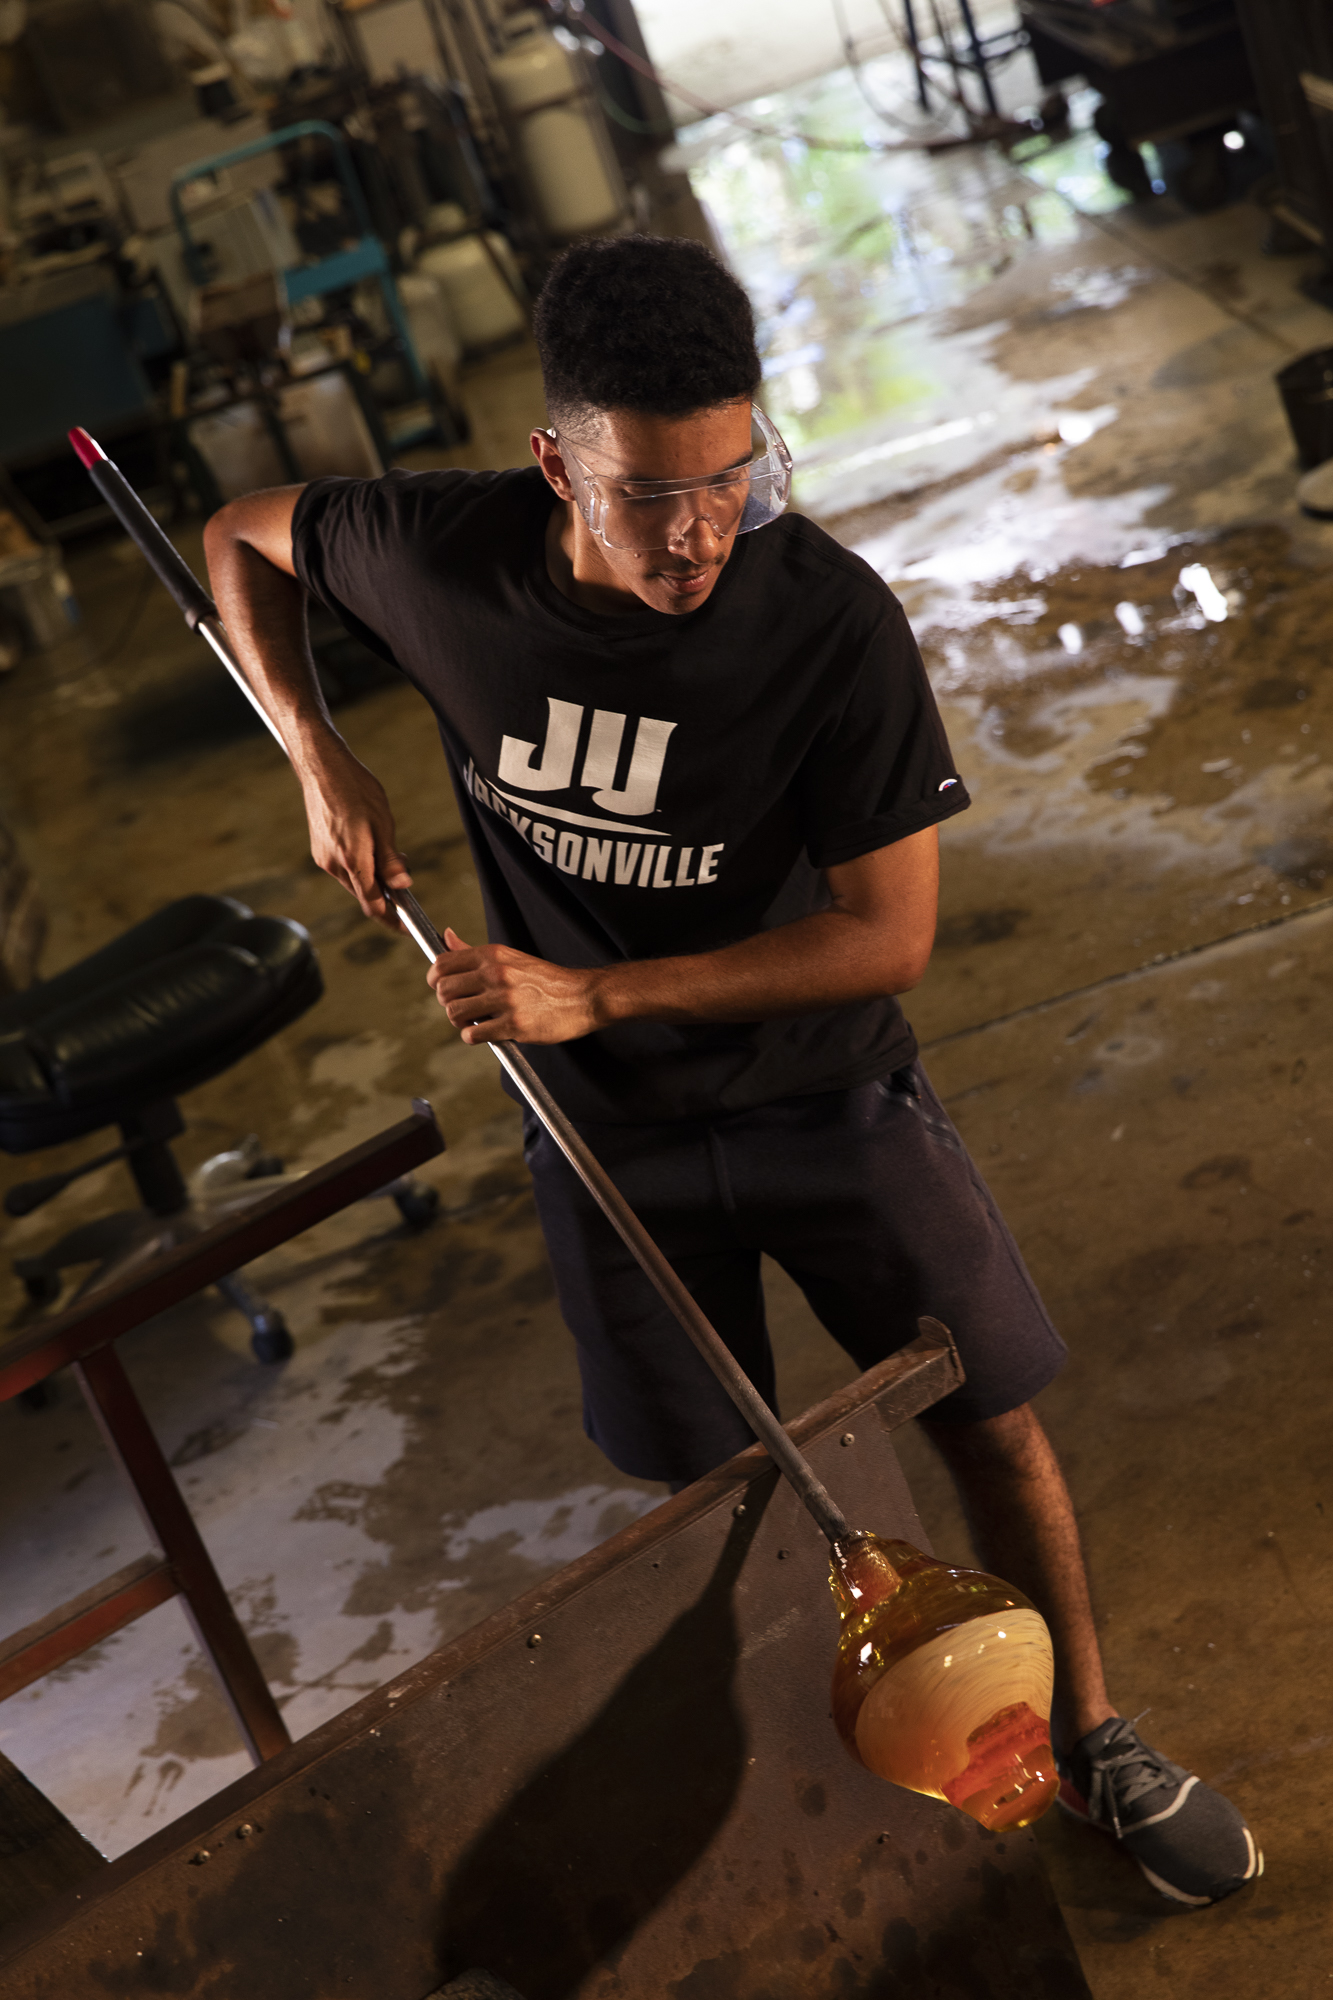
(643, 785)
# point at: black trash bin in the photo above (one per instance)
(1306, 388)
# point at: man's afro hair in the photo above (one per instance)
(648, 323)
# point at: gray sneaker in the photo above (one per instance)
(1190, 1842)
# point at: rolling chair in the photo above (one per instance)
(114, 1041)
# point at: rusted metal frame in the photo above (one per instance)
(41, 1854)
(902, 1387)
(897, 1389)
(130, 1439)
(82, 1337)
(84, 1620)
(219, 1251)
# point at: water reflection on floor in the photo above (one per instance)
(1034, 408)
(840, 250)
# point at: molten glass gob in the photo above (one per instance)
(943, 1681)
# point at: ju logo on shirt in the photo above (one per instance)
(553, 770)
(651, 860)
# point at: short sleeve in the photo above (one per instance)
(883, 768)
(349, 551)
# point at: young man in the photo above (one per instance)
(702, 773)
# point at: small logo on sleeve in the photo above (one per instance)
(945, 784)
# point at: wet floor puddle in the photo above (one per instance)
(839, 247)
(1234, 638)
(1145, 740)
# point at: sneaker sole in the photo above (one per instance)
(1163, 1888)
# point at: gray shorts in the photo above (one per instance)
(867, 1198)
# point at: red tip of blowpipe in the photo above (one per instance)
(90, 452)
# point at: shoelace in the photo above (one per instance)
(1122, 1772)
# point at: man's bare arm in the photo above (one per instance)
(249, 549)
(875, 939)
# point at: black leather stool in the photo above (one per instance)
(115, 1040)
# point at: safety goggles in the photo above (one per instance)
(659, 513)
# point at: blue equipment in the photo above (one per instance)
(366, 259)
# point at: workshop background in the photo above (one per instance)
(1025, 280)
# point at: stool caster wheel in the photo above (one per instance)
(418, 1205)
(42, 1287)
(270, 1340)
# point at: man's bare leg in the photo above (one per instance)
(1022, 1522)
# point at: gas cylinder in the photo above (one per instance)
(482, 307)
(429, 321)
(570, 165)
(943, 1681)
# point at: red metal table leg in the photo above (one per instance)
(130, 1438)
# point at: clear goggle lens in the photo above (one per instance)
(658, 514)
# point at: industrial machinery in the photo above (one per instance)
(248, 316)
(1170, 72)
(404, 169)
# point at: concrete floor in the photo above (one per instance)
(1041, 415)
